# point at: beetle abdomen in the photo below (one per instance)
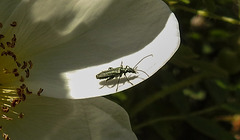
(109, 73)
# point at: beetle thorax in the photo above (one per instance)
(129, 69)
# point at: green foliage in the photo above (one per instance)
(196, 95)
(209, 128)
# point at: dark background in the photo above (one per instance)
(195, 96)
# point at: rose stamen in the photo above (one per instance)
(13, 74)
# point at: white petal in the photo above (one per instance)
(60, 119)
(69, 43)
(6, 9)
(162, 48)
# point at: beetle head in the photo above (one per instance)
(130, 70)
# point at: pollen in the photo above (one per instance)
(13, 73)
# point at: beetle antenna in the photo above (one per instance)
(141, 60)
(143, 72)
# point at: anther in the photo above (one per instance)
(27, 91)
(23, 97)
(15, 102)
(24, 65)
(10, 53)
(1, 36)
(5, 109)
(6, 117)
(20, 115)
(19, 91)
(9, 44)
(15, 72)
(6, 71)
(39, 91)
(5, 136)
(2, 46)
(14, 39)
(14, 57)
(18, 64)
(14, 24)
(21, 79)
(27, 73)
(30, 64)
(23, 86)
(4, 53)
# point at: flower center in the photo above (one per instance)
(13, 73)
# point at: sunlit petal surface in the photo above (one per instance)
(61, 119)
(71, 41)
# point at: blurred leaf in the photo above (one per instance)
(182, 54)
(221, 84)
(181, 102)
(207, 49)
(210, 4)
(218, 94)
(186, 58)
(209, 67)
(167, 90)
(195, 36)
(229, 60)
(120, 95)
(200, 95)
(219, 34)
(185, 1)
(209, 128)
(164, 130)
(186, 52)
(233, 107)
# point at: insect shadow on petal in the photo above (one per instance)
(119, 71)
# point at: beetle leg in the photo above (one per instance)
(128, 79)
(102, 86)
(118, 83)
(109, 78)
